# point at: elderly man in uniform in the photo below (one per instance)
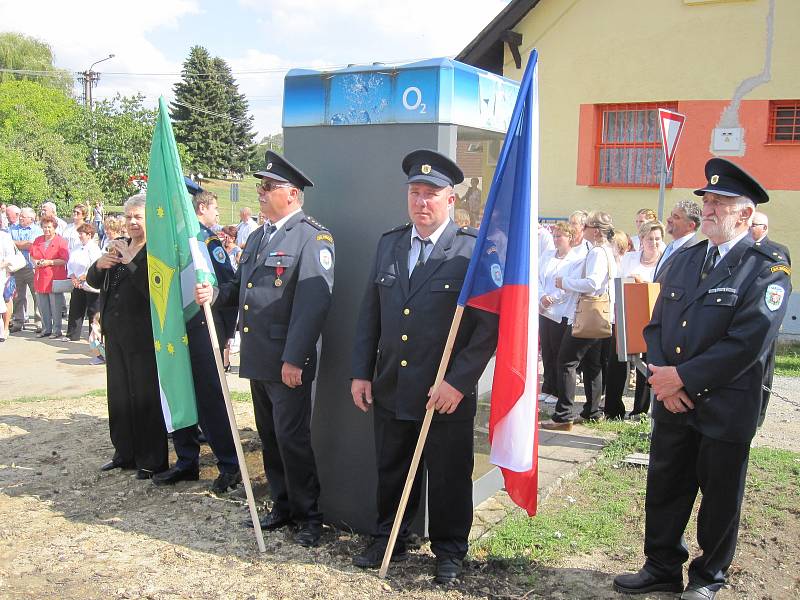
(211, 411)
(283, 289)
(402, 328)
(707, 343)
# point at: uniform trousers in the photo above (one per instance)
(135, 419)
(683, 460)
(573, 352)
(550, 335)
(448, 456)
(283, 420)
(211, 412)
(24, 279)
(81, 304)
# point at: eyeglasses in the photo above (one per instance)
(268, 186)
(758, 225)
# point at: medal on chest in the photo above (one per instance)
(278, 269)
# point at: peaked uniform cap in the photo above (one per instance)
(727, 179)
(279, 169)
(428, 166)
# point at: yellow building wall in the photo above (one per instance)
(609, 51)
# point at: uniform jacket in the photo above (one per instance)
(224, 317)
(282, 323)
(125, 308)
(44, 276)
(402, 329)
(718, 332)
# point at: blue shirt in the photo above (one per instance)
(25, 234)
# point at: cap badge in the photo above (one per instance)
(714, 179)
(269, 167)
(426, 169)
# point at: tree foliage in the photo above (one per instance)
(24, 53)
(210, 116)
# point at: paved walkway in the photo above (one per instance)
(34, 367)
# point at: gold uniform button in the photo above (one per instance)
(406, 311)
(683, 324)
(678, 349)
(249, 284)
(246, 329)
(246, 307)
(403, 363)
(404, 337)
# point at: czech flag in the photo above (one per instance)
(502, 278)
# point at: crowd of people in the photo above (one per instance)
(709, 346)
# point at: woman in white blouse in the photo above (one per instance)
(83, 298)
(639, 266)
(554, 305)
(594, 277)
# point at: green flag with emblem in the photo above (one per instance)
(175, 262)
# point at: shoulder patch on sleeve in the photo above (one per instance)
(314, 223)
(783, 268)
(471, 231)
(212, 238)
(405, 227)
(325, 237)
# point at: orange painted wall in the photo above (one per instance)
(776, 166)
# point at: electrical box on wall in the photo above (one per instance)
(728, 140)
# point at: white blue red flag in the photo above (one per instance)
(502, 278)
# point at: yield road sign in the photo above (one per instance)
(671, 128)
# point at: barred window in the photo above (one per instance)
(628, 151)
(784, 122)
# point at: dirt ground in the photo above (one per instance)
(69, 531)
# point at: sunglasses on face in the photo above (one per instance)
(268, 186)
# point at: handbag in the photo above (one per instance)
(62, 286)
(593, 313)
(16, 261)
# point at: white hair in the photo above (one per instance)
(135, 201)
(27, 211)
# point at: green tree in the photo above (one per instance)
(210, 116)
(34, 58)
(22, 180)
(52, 107)
(273, 141)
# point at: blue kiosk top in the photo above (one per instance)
(439, 90)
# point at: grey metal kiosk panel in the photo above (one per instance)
(349, 131)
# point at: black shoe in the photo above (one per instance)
(43, 334)
(308, 535)
(117, 464)
(372, 556)
(695, 591)
(644, 582)
(225, 481)
(174, 475)
(448, 570)
(272, 521)
(144, 474)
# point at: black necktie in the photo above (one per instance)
(708, 266)
(421, 256)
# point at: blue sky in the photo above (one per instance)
(151, 38)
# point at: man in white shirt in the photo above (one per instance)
(247, 225)
(683, 223)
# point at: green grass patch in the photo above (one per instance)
(787, 360)
(98, 393)
(229, 211)
(774, 478)
(241, 397)
(601, 508)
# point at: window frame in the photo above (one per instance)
(774, 107)
(599, 145)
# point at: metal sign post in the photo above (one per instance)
(234, 198)
(671, 127)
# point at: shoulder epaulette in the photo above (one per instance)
(471, 231)
(405, 227)
(772, 252)
(314, 223)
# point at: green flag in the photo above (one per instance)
(175, 262)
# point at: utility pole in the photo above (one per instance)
(89, 79)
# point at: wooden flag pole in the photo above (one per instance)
(212, 332)
(423, 435)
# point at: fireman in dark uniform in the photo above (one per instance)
(403, 324)
(712, 328)
(283, 290)
(211, 412)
